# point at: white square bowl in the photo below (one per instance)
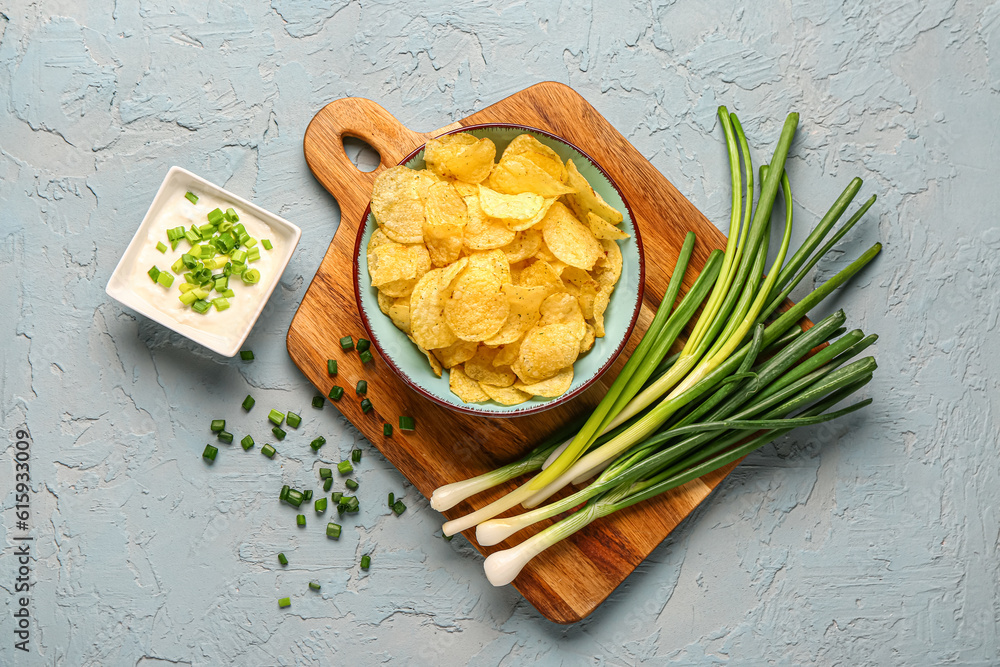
(123, 282)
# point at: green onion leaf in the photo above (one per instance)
(327, 484)
(160, 246)
(366, 357)
(363, 344)
(251, 277)
(325, 473)
(284, 602)
(366, 562)
(320, 505)
(307, 495)
(392, 498)
(317, 442)
(356, 455)
(398, 507)
(267, 244)
(210, 452)
(318, 401)
(351, 484)
(361, 388)
(314, 585)
(366, 406)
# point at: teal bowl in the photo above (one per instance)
(411, 365)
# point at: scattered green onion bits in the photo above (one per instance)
(248, 402)
(245, 355)
(210, 452)
(366, 562)
(327, 484)
(387, 429)
(314, 585)
(345, 468)
(346, 343)
(268, 451)
(366, 357)
(336, 496)
(356, 455)
(318, 401)
(276, 417)
(361, 388)
(300, 520)
(366, 406)
(293, 419)
(317, 443)
(218, 425)
(191, 197)
(333, 531)
(407, 423)
(363, 344)
(282, 559)
(319, 505)
(278, 432)
(398, 507)
(226, 437)
(284, 602)
(331, 366)
(351, 484)
(325, 473)
(247, 443)
(307, 495)
(392, 499)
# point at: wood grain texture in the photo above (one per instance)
(567, 582)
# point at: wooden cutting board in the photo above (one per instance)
(566, 582)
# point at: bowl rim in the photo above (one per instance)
(547, 405)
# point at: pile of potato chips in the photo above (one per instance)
(500, 272)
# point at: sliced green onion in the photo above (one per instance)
(336, 496)
(188, 298)
(366, 406)
(251, 277)
(254, 254)
(226, 437)
(276, 417)
(346, 343)
(192, 236)
(191, 197)
(327, 484)
(331, 366)
(278, 432)
(206, 230)
(320, 505)
(160, 246)
(317, 443)
(246, 355)
(221, 303)
(177, 266)
(363, 344)
(215, 216)
(351, 484)
(300, 520)
(307, 495)
(366, 357)
(268, 451)
(284, 492)
(366, 562)
(336, 392)
(294, 497)
(333, 531)
(153, 273)
(251, 243)
(247, 443)
(248, 402)
(314, 585)
(210, 452)
(231, 215)
(218, 425)
(387, 430)
(407, 423)
(284, 602)
(200, 306)
(165, 279)
(282, 559)
(293, 419)
(267, 244)
(361, 388)
(325, 473)
(356, 455)
(229, 294)
(345, 468)
(318, 401)
(398, 507)
(350, 504)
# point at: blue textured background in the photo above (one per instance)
(874, 541)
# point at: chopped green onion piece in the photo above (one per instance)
(318, 401)
(215, 216)
(336, 392)
(361, 388)
(366, 406)
(254, 253)
(251, 277)
(210, 452)
(240, 228)
(300, 520)
(153, 273)
(333, 531)
(317, 443)
(192, 236)
(218, 425)
(363, 344)
(267, 244)
(352, 506)
(320, 505)
(284, 492)
(331, 366)
(447, 538)
(185, 287)
(345, 468)
(225, 226)
(336, 496)
(231, 215)
(392, 498)
(206, 230)
(387, 429)
(356, 455)
(346, 343)
(191, 197)
(220, 303)
(246, 355)
(366, 562)
(248, 402)
(294, 497)
(276, 417)
(284, 602)
(325, 473)
(221, 283)
(226, 437)
(327, 484)
(366, 357)
(188, 298)
(307, 495)
(239, 256)
(293, 420)
(398, 507)
(278, 432)
(177, 266)
(407, 423)
(314, 585)
(282, 559)
(247, 443)
(200, 306)
(165, 279)
(229, 294)
(268, 451)
(351, 484)
(160, 246)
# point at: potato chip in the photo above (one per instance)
(521, 225)
(539, 153)
(465, 388)
(399, 313)
(546, 350)
(600, 305)
(507, 354)
(523, 245)
(563, 308)
(396, 205)
(540, 274)
(586, 200)
(516, 174)
(399, 288)
(523, 206)
(609, 269)
(579, 283)
(568, 239)
(425, 180)
(505, 395)
(477, 308)
(483, 232)
(604, 230)
(557, 385)
(391, 262)
(384, 301)
(427, 302)
(481, 369)
(460, 156)
(456, 353)
(493, 261)
(446, 217)
(525, 304)
(587, 341)
(435, 366)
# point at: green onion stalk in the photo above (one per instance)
(744, 376)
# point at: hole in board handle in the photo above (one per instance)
(361, 154)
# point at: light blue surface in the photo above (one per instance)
(411, 361)
(871, 541)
